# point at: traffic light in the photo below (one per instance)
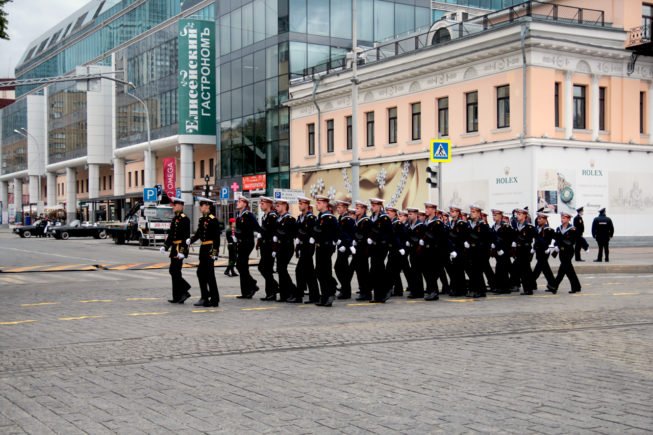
(433, 177)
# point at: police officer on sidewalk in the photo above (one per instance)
(175, 242)
(208, 233)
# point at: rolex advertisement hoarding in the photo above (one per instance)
(196, 80)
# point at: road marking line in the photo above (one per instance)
(12, 280)
(94, 300)
(156, 266)
(230, 296)
(367, 304)
(143, 299)
(48, 254)
(259, 309)
(72, 267)
(414, 302)
(124, 266)
(80, 317)
(500, 297)
(206, 311)
(584, 294)
(460, 301)
(23, 269)
(38, 304)
(148, 314)
(17, 322)
(625, 294)
(543, 296)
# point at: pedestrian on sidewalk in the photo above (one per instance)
(602, 231)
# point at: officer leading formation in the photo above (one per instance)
(433, 251)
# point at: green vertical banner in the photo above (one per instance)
(196, 91)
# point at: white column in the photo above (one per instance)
(118, 176)
(4, 197)
(594, 106)
(52, 189)
(149, 168)
(187, 177)
(18, 195)
(34, 194)
(93, 188)
(71, 194)
(569, 103)
(648, 110)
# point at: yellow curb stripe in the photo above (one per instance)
(460, 301)
(625, 294)
(24, 269)
(143, 299)
(259, 309)
(39, 304)
(366, 304)
(17, 322)
(156, 266)
(124, 266)
(414, 302)
(148, 314)
(95, 300)
(80, 317)
(75, 267)
(583, 294)
(206, 311)
(543, 296)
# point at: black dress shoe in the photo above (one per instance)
(269, 298)
(598, 261)
(311, 302)
(173, 301)
(342, 297)
(582, 261)
(201, 303)
(329, 301)
(247, 296)
(574, 291)
(551, 288)
(431, 297)
(214, 304)
(526, 293)
(183, 298)
(363, 298)
(281, 300)
(207, 304)
(414, 296)
(294, 300)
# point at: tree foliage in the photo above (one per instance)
(3, 20)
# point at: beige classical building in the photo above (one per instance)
(542, 103)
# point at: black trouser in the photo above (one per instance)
(380, 279)
(362, 268)
(542, 267)
(523, 267)
(604, 244)
(247, 283)
(567, 269)
(323, 270)
(456, 268)
(179, 285)
(305, 274)
(206, 277)
(581, 243)
(286, 286)
(502, 273)
(488, 272)
(415, 279)
(233, 256)
(266, 267)
(476, 259)
(344, 272)
(396, 264)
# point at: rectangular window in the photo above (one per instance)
(471, 99)
(330, 138)
(579, 107)
(556, 104)
(642, 109)
(211, 168)
(194, 166)
(503, 106)
(86, 185)
(77, 185)
(392, 125)
(143, 177)
(349, 133)
(136, 178)
(602, 108)
(104, 182)
(311, 139)
(369, 117)
(202, 171)
(416, 121)
(443, 116)
(129, 179)
(110, 182)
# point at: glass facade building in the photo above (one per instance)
(67, 126)
(14, 145)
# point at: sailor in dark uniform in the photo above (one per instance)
(397, 255)
(579, 224)
(458, 233)
(208, 233)
(282, 250)
(264, 244)
(502, 236)
(417, 253)
(565, 239)
(342, 268)
(433, 266)
(543, 247)
(602, 231)
(246, 226)
(325, 235)
(523, 244)
(304, 250)
(175, 242)
(379, 239)
(361, 252)
(477, 252)
(405, 264)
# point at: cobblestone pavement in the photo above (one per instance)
(83, 354)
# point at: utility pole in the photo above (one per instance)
(355, 163)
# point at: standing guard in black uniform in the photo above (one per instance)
(379, 239)
(579, 224)
(416, 236)
(246, 226)
(502, 236)
(602, 231)
(361, 251)
(178, 233)
(436, 244)
(458, 233)
(325, 236)
(208, 232)
(264, 244)
(523, 244)
(397, 259)
(342, 268)
(565, 238)
(477, 245)
(544, 243)
(304, 250)
(282, 250)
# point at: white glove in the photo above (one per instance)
(514, 244)
(532, 251)
(180, 256)
(408, 244)
(188, 242)
(234, 239)
(587, 250)
(466, 245)
(453, 255)
(547, 251)
(311, 241)
(370, 241)
(402, 252)
(274, 254)
(421, 242)
(162, 250)
(557, 249)
(553, 244)
(353, 243)
(258, 235)
(296, 242)
(500, 252)
(353, 250)
(275, 239)
(342, 249)
(338, 242)
(493, 246)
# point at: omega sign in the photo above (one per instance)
(196, 77)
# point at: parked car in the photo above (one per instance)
(36, 230)
(78, 229)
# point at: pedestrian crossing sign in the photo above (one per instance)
(440, 151)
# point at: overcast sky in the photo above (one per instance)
(27, 20)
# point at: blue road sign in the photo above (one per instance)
(224, 192)
(440, 151)
(149, 194)
(277, 194)
(178, 192)
(159, 188)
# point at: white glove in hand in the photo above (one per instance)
(296, 242)
(342, 249)
(499, 252)
(402, 252)
(514, 244)
(274, 254)
(493, 246)
(453, 255)
(421, 242)
(353, 250)
(547, 251)
(338, 242)
(235, 239)
(311, 241)
(258, 235)
(188, 242)
(557, 249)
(369, 241)
(408, 244)
(353, 243)
(587, 250)
(275, 239)
(466, 245)
(532, 251)
(180, 256)
(162, 250)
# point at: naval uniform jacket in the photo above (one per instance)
(177, 234)
(208, 232)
